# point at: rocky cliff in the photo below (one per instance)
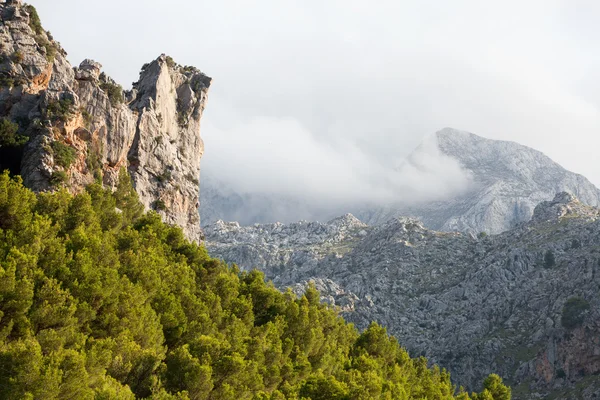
(509, 180)
(80, 126)
(526, 299)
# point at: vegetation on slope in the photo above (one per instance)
(101, 301)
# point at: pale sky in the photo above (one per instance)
(304, 90)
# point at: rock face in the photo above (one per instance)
(509, 181)
(83, 127)
(523, 303)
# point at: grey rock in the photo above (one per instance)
(89, 70)
(472, 305)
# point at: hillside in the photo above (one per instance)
(523, 303)
(101, 301)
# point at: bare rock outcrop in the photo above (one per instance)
(82, 126)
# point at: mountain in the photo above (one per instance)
(64, 126)
(509, 180)
(527, 299)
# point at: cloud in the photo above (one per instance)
(282, 158)
(323, 99)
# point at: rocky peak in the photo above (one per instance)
(89, 70)
(564, 205)
(82, 126)
(508, 181)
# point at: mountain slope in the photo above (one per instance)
(526, 299)
(509, 180)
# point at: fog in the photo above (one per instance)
(321, 101)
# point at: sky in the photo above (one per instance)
(309, 95)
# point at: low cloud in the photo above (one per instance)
(277, 164)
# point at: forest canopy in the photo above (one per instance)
(99, 300)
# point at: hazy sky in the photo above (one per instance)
(310, 92)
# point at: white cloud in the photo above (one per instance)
(324, 97)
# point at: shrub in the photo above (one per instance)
(112, 90)
(9, 136)
(574, 312)
(93, 162)
(6, 81)
(192, 179)
(165, 176)
(159, 205)
(34, 20)
(60, 110)
(46, 44)
(58, 178)
(17, 57)
(549, 260)
(63, 154)
(170, 62)
(87, 117)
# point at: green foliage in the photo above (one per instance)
(193, 179)
(549, 260)
(97, 303)
(34, 20)
(58, 178)
(9, 136)
(50, 48)
(60, 110)
(159, 205)
(112, 90)
(493, 388)
(574, 312)
(17, 57)
(87, 117)
(63, 154)
(164, 176)
(170, 62)
(93, 161)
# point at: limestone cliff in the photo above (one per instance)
(81, 126)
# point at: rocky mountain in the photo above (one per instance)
(80, 126)
(509, 180)
(526, 299)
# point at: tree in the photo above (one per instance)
(549, 260)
